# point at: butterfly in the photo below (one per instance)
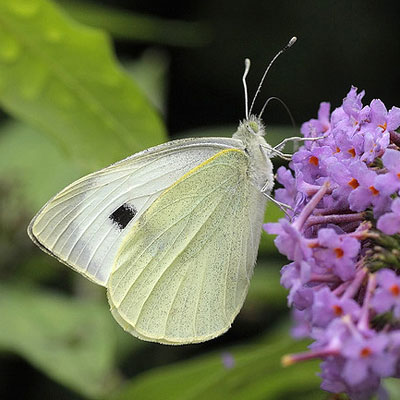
(172, 232)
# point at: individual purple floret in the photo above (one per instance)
(342, 236)
(390, 222)
(327, 306)
(228, 360)
(389, 183)
(387, 296)
(367, 357)
(336, 253)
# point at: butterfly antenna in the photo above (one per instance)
(284, 105)
(246, 95)
(291, 42)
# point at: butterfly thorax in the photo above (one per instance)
(251, 133)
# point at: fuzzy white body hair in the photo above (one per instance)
(251, 133)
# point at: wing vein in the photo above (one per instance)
(169, 227)
(155, 239)
(232, 231)
(201, 248)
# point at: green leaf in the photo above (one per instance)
(392, 385)
(72, 341)
(256, 375)
(32, 166)
(124, 24)
(63, 78)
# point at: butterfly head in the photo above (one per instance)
(252, 126)
(251, 132)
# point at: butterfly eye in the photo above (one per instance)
(123, 215)
(253, 126)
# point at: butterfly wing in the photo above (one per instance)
(84, 224)
(182, 273)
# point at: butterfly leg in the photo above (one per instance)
(284, 207)
(282, 144)
(266, 190)
(275, 151)
(271, 152)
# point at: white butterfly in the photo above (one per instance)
(172, 232)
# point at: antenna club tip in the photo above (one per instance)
(247, 62)
(292, 41)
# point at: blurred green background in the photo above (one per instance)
(84, 84)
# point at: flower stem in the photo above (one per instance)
(290, 359)
(363, 323)
(352, 289)
(333, 219)
(333, 210)
(329, 278)
(341, 288)
(309, 189)
(309, 208)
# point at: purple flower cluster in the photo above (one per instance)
(343, 238)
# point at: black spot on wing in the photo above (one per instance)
(123, 215)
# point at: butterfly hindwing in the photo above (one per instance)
(83, 225)
(182, 272)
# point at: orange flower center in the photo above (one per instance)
(337, 310)
(395, 290)
(352, 152)
(384, 126)
(337, 150)
(313, 160)
(365, 352)
(398, 175)
(354, 183)
(339, 252)
(374, 190)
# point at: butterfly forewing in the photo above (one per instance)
(84, 224)
(182, 272)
